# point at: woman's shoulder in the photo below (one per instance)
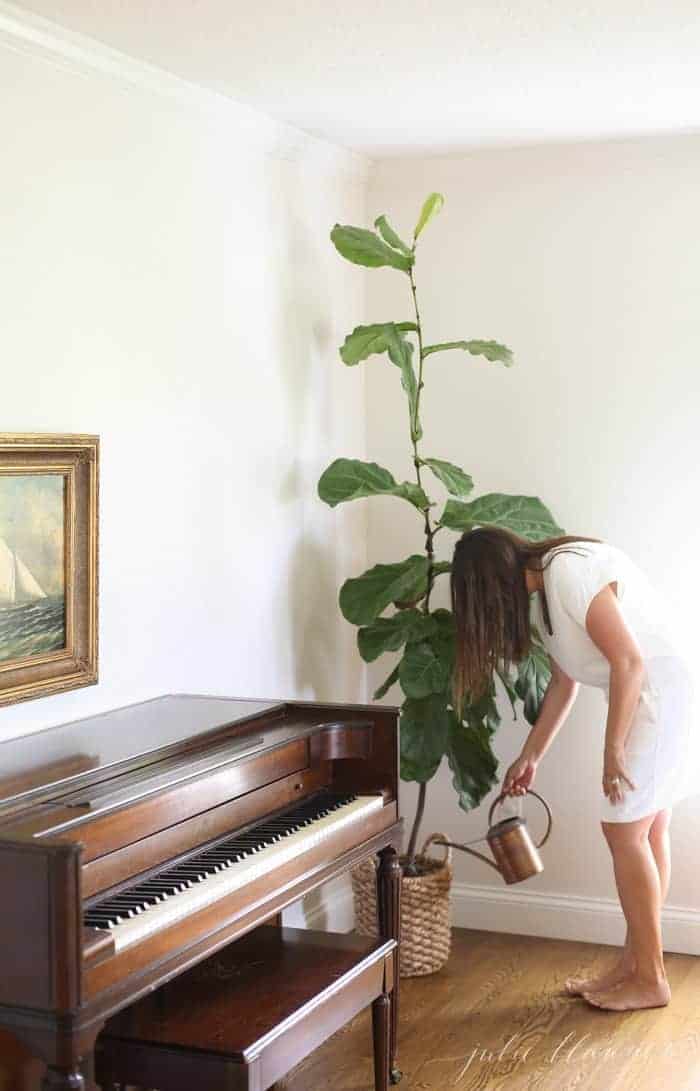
(571, 556)
(578, 570)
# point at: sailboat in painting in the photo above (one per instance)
(32, 622)
(17, 584)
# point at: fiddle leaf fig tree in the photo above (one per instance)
(391, 603)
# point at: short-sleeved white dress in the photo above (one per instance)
(662, 753)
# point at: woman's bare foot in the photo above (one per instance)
(623, 968)
(631, 994)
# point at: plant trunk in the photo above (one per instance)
(410, 868)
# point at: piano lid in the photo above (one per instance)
(58, 758)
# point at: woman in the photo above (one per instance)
(603, 624)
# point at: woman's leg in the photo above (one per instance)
(660, 842)
(625, 964)
(640, 889)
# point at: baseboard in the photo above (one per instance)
(515, 911)
(329, 909)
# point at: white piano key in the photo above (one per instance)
(218, 885)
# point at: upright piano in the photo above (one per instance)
(136, 843)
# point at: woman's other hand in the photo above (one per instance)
(614, 766)
(520, 776)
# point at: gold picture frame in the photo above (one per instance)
(48, 564)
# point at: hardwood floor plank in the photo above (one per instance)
(496, 1016)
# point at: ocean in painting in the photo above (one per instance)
(32, 591)
(33, 628)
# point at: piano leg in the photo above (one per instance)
(389, 924)
(381, 1008)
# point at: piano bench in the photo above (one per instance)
(246, 1016)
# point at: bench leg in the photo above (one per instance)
(389, 925)
(381, 1025)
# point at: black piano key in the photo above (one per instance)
(106, 920)
(127, 909)
(169, 883)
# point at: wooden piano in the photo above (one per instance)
(136, 843)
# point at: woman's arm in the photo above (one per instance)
(608, 630)
(556, 703)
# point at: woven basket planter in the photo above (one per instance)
(426, 933)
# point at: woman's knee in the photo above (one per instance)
(626, 835)
(660, 825)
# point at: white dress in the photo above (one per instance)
(661, 752)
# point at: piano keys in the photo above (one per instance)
(136, 843)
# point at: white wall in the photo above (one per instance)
(168, 282)
(584, 259)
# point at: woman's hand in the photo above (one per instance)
(519, 776)
(613, 766)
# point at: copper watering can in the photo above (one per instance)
(516, 855)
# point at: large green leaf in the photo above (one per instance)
(492, 350)
(388, 634)
(526, 515)
(363, 598)
(389, 235)
(349, 478)
(386, 684)
(423, 737)
(365, 341)
(444, 638)
(510, 689)
(431, 206)
(485, 710)
(440, 567)
(401, 353)
(471, 760)
(532, 680)
(364, 247)
(456, 481)
(421, 671)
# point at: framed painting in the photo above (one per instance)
(48, 564)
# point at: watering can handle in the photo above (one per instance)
(544, 804)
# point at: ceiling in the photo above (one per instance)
(396, 77)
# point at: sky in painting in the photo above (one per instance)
(32, 524)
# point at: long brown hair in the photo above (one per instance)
(491, 603)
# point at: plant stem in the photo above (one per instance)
(416, 457)
(411, 850)
(429, 551)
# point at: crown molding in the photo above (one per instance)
(24, 32)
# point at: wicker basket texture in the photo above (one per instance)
(426, 931)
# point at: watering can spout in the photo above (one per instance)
(479, 854)
(516, 856)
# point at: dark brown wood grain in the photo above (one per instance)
(116, 868)
(263, 1003)
(129, 823)
(41, 925)
(389, 925)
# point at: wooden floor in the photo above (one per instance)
(501, 994)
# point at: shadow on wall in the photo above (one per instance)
(302, 277)
(316, 654)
